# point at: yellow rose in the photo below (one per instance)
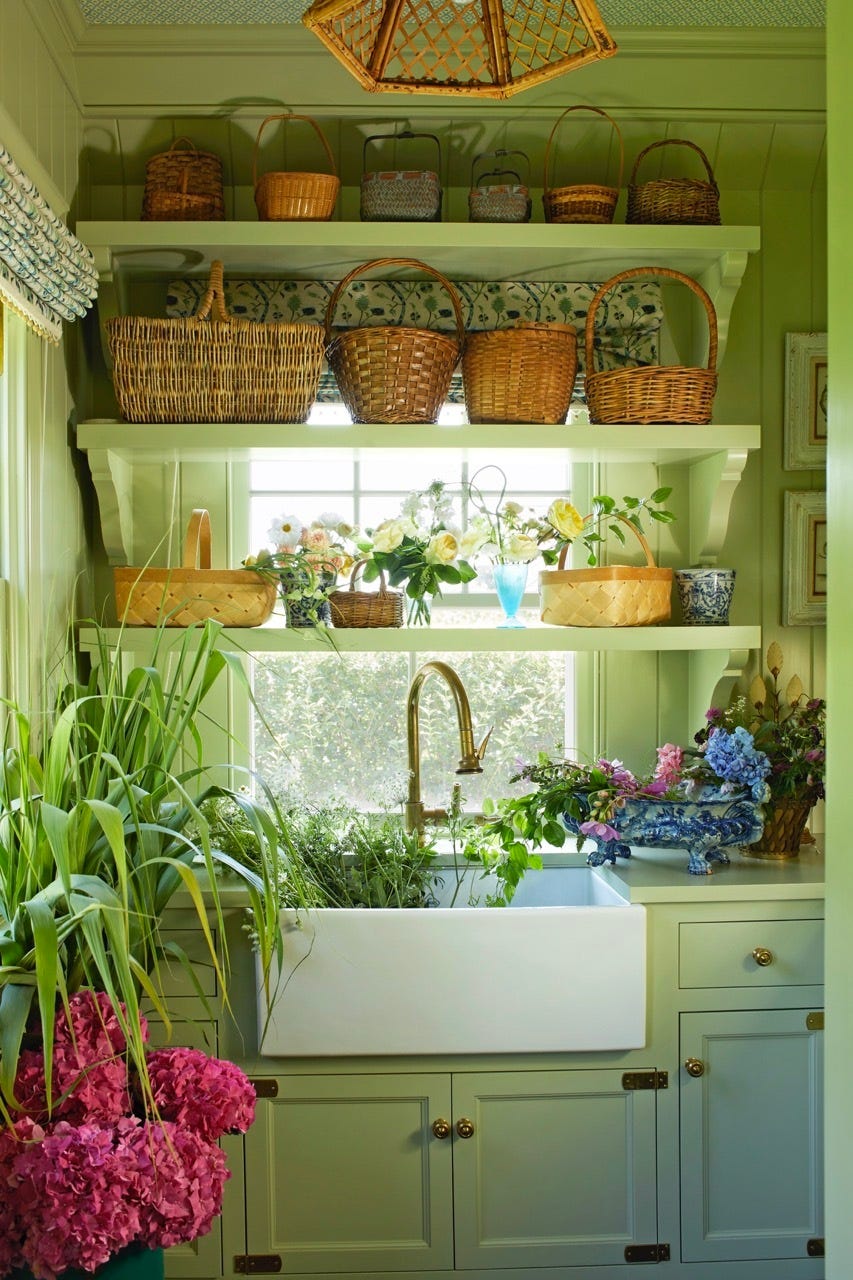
(388, 536)
(443, 548)
(565, 518)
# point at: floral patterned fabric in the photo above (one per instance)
(47, 275)
(628, 319)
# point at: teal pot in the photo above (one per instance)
(133, 1263)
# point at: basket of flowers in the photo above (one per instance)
(353, 608)
(304, 564)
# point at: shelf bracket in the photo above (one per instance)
(721, 281)
(109, 301)
(711, 485)
(112, 476)
(706, 676)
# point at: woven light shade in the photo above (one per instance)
(481, 48)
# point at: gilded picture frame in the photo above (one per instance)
(804, 565)
(805, 420)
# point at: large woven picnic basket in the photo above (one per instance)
(617, 595)
(183, 184)
(150, 596)
(214, 367)
(583, 201)
(393, 373)
(355, 608)
(524, 373)
(651, 393)
(674, 200)
(290, 195)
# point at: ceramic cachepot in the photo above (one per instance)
(705, 595)
(703, 826)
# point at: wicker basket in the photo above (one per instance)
(393, 373)
(618, 595)
(401, 195)
(669, 393)
(499, 201)
(295, 197)
(675, 200)
(183, 186)
(522, 374)
(351, 608)
(212, 367)
(150, 597)
(784, 829)
(586, 202)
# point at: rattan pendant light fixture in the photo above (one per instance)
(478, 48)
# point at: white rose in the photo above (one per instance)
(388, 536)
(522, 549)
(442, 549)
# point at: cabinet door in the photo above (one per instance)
(559, 1171)
(343, 1173)
(751, 1144)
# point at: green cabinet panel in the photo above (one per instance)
(751, 1142)
(560, 1169)
(347, 1175)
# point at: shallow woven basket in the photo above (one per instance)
(351, 608)
(212, 367)
(149, 597)
(391, 373)
(675, 200)
(784, 829)
(499, 201)
(400, 195)
(582, 202)
(183, 186)
(293, 196)
(617, 595)
(521, 374)
(656, 393)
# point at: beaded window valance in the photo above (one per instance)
(627, 328)
(47, 275)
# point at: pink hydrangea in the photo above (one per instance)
(179, 1185)
(205, 1094)
(670, 764)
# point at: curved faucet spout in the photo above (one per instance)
(471, 755)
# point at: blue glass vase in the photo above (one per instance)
(510, 581)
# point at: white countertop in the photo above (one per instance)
(660, 875)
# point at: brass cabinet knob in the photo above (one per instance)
(694, 1067)
(440, 1129)
(762, 956)
(465, 1127)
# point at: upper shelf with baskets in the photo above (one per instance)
(129, 251)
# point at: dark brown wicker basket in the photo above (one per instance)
(657, 393)
(351, 608)
(674, 200)
(525, 373)
(583, 202)
(393, 373)
(183, 186)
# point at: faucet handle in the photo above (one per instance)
(481, 750)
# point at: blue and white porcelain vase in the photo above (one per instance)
(705, 595)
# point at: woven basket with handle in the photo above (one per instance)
(500, 200)
(401, 195)
(292, 196)
(214, 367)
(149, 597)
(675, 200)
(183, 185)
(582, 202)
(352, 608)
(655, 393)
(393, 373)
(525, 373)
(618, 595)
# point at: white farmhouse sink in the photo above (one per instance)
(562, 969)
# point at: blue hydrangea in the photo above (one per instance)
(734, 758)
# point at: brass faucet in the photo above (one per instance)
(416, 814)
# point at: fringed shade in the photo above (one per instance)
(484, 48)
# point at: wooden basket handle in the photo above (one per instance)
(404, 133)
(674, 142)
(631, 274)
(197, 541)
(397, 262)
(188, 141)
(598, 111)
(359, 565)
(643, 541)
(500, 154)
(290, 115)
(213, 302)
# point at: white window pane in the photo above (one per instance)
(524, 468)
(298, 474)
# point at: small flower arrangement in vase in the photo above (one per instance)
(306, 560)
(507, 535)
(423, 547)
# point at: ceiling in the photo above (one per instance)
(616, 13)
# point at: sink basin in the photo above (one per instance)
(562, 969)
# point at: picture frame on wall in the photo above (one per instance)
(804, 566)
(805, 424)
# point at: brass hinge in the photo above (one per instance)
(645, 1080)
(264, 1086)
(816, 1248)
(257, 1264)
(814, 1021)
(647, 1253)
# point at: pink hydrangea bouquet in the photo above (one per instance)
(111, 1162)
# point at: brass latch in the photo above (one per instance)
(814, 1021)
(815, 1248)
(257, 1264)
(647, 1253)
(645, 1080)
(264, 1086)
